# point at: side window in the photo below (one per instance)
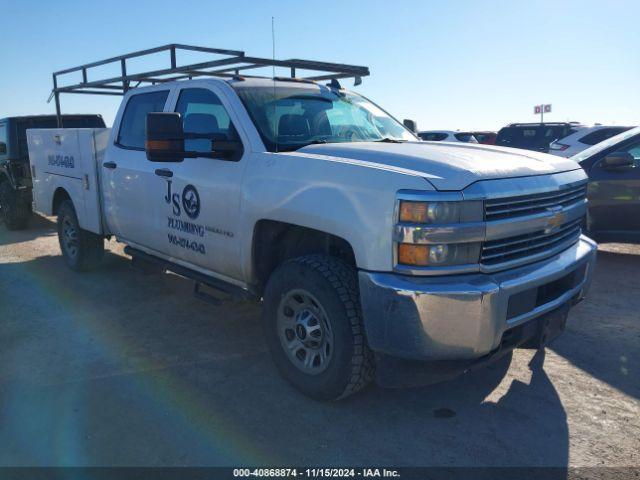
(600, 135)
(634, 150)
(134, 120)
(465, 137)
(203, 114)
(3, 139)
(432, 136)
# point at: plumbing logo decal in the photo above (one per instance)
(191, 202)
(183, 232)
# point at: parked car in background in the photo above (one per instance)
(534, 136)
(583, 138)
(613, 167)
(447, 136)
(15, 177)
(486, 138)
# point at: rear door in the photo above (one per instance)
(127, 175)
(614, 194)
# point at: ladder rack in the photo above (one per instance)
(224, 63)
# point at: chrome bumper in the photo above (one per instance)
(465, 316)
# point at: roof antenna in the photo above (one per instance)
(273, 70)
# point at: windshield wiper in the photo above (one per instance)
(293, 148)
(389, 140)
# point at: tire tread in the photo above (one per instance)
(19, 211)
(343, 279)
(90, 245)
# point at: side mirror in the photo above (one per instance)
(411, 125)
(3, 148)
(617, 160)
(165, 138)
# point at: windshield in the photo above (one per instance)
(289, 118)
(599, 147)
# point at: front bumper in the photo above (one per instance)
(464, 317)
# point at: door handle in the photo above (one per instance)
(110, 165)
(163, 172)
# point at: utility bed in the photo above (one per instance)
(72, 156)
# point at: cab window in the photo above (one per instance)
(634, 150)
(134, 120)
(203, 114)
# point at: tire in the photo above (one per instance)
(302, 294)
(82, 250)
(13, 210)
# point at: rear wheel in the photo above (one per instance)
(13, 210)
(313, 326)
(81, 249)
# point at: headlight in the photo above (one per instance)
(443, 232)
(440, 212)
(429, 212)
(438, 255)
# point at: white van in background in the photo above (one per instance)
(583, 138)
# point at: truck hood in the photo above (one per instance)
(447, 166)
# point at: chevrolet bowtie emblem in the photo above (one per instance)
(556, 220)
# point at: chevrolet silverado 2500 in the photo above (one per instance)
(375, 255)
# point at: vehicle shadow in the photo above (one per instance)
(39, 226)
(117, 367)
(603, 332)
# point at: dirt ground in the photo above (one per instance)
(115, 367)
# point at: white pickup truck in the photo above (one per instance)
(375, 255)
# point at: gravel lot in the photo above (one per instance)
(115, 367)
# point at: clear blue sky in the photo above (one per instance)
(447, 64)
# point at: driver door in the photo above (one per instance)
(201, 215)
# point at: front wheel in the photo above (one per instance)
(313, 325)
(81, 249)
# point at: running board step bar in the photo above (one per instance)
(233, 291)
(204, 296)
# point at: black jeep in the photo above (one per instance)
(15, 175)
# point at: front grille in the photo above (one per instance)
(522, 246)
(523, 205)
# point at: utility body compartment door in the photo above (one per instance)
(68, 158)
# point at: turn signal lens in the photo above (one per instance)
(438, 255)
(409, 254)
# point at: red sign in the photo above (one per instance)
(539, 109)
